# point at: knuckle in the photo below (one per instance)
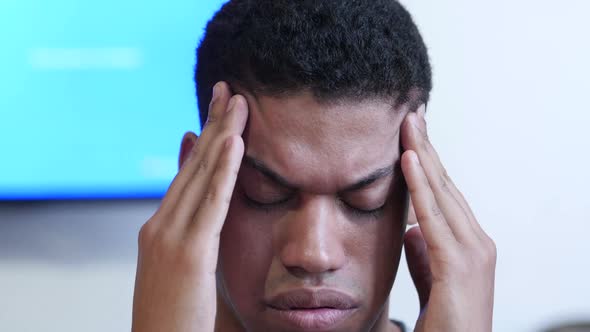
(492, 251)
(203, 165)
(213, 115)
(435, 210)
(484, 257)
(421, 216)
(210, 195)
(147, 232)
(158, 240)
(494, 248)
(195, 150)
(444, 184)
(214, 112)
(425, 144)
(432, 213)
(446, 175)
(211, 118)
(164, 245)
(206, 131)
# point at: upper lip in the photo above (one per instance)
(301, 299)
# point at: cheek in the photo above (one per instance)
(378, 247)
(378, 251)
(245, 256)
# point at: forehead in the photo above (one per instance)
(321, 146)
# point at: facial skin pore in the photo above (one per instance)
(319, 203)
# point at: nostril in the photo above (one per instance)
(297, 271)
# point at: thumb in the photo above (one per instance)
(418, 264)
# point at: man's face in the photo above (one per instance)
(314, 231)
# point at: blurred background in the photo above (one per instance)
(95, 97)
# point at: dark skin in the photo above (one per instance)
(324, 172)
(309, 197)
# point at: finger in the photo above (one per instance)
(212, 211)
(418, 264)
(435, 229)
(217, 108)
(412, 220)
(454, 214)
(436, 159)
(232, 125)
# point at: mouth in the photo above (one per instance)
(306, 309)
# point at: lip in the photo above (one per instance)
(309, 309)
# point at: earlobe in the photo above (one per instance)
(189, 140)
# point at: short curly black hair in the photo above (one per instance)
(333, 48)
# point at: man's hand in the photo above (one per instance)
(175, 283)
(451, 259)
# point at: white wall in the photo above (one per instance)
(510, 119)
(69, 267)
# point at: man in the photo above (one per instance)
(288, 212)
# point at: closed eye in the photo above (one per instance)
(356, 212)
(265, 206)
(363, 213)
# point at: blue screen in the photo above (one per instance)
(96, 95)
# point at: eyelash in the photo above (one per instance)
(263, 206)
(360, 213)
(356, 212)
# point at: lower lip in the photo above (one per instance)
(313, 319)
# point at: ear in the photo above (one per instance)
(189, 140)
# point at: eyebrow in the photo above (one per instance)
(275, 177)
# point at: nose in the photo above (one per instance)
(311, 241)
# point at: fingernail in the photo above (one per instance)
(421, 114)
(414, 158)
(416, 121)
(216, 92)
(421, 111)
(232, 103)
